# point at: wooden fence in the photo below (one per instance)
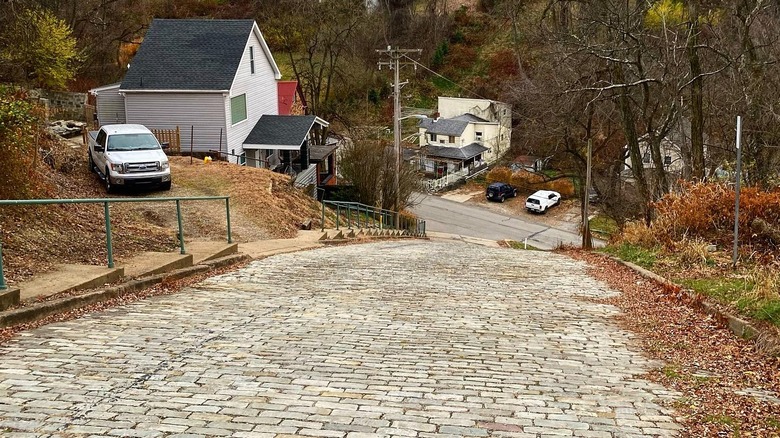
(172, 136)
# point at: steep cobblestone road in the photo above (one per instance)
(408, 339)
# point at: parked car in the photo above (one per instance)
(500, 191)
(128, 155)
(542, 200)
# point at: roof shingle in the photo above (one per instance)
(464, 153)
(188, 55)
(273, 130)
(444, 126)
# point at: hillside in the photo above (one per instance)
(263, 206)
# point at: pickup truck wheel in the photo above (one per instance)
(165, 186)
(91, 163)
(109, 186)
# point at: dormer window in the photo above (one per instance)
(252, 59)
(452, 139)
(433, 137)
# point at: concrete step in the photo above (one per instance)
(151, 263)
(9, 297)
(208, 250)
(67, 278)
(265, 248)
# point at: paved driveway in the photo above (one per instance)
(407, 338)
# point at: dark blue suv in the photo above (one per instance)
(500, 191)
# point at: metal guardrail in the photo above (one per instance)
(107, 216)
(367, 216)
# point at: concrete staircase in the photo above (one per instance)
(346, 235)
(63, 279)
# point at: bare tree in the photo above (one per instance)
(369, 166)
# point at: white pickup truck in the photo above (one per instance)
(128, 155)
(541, 200)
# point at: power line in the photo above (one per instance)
(470, 91)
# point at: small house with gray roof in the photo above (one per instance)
(215, 80)
(466, 135)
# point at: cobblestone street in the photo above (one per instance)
(407, 338)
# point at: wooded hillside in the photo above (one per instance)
(632, 77)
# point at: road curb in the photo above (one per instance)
(764, 340)
(38, 311)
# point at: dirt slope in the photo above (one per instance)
(263, 205)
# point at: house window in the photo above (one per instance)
(452, 139)
(667, 160)
(238, 108)
(242, 159)
(646, 158)
(252, 59)
(433, 137)
(478, 136)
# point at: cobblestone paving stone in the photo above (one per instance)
(406, 339)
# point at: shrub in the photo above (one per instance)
(503, 64)
(533, 181)
(499, 174)
(20, 133)
(639, 234)
(706, 211)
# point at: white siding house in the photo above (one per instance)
(256, 80)
(466, 135)
(213, 79)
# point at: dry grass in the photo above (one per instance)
(263, 205)
(766, 281)
(692, 252)
(637, 233)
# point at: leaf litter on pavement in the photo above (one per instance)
(728, 387)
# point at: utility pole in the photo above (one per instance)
(587, 239)
(395, 64)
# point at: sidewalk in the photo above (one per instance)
(67, 278)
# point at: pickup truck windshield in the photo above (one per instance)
(132, 142)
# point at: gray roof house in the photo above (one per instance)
(462, 139)
(213, 79)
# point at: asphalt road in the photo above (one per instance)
(445, 216)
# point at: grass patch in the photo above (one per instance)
(635, 254)
(519, 245)
(444, 85)
(671, 372)
(604, 226)
(725, 420)
(737, 292)
(768, 310)
(730, 290)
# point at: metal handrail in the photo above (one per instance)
(386, 217)
(107, 215)
(345, 203)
